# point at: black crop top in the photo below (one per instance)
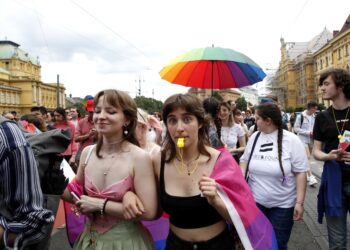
(187, 212)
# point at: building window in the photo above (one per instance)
(326, 61)
(339, 54)
(7, 98)
(17, 99)
(2, 98)
(7, 64)
(321, 64)
(346, 50)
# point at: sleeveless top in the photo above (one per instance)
(187, 212)
(114, 192)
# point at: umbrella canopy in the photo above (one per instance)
(213, 68)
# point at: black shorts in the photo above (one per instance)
(223, 241)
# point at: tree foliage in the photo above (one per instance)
(148, 104)
(241, 103)
(217, 95)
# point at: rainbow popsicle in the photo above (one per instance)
(345, 140)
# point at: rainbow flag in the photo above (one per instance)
(254, 229)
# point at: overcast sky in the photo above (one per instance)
(94, 45)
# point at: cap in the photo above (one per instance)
(89, 105)
(266, 100)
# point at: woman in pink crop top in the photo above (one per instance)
(107, 171)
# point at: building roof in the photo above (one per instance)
(9, 50)
(296, 49)
(346, 26)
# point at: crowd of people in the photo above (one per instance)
(225, 178)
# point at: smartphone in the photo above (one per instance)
(75, 196)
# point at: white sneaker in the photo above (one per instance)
(312, 180)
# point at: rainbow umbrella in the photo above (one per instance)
(213, 68)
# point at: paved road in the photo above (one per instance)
(306, 235)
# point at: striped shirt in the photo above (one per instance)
(20, 191)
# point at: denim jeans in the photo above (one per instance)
(282, 223)
(336, 226)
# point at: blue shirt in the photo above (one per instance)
(20, 191)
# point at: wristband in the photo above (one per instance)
(103, 208)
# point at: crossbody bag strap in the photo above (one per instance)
(250, 156)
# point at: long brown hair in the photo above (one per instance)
(120, 99)
(272, 111)
(193, 106)
(230, 122)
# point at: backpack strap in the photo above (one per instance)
(301, 119)
(250, 156)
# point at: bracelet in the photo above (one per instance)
(300, 202)
(103, 208)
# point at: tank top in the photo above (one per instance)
(114, 192)
(187, 212)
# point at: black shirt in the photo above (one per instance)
(325, 128)
(187, 212)
(326, 131)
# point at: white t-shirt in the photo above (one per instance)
(304, 130)
(265, 175)
(230, 135)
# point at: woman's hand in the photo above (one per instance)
(132, 206)
(88, 204)
(298, 211)
(208, 187)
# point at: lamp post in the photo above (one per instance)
(140, 79)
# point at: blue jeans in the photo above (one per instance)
(336, 226)
(282, 223)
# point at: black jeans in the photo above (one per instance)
(223, 241)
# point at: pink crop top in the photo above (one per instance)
(114, 192)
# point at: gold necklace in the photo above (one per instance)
(185, 167)
(340, 136)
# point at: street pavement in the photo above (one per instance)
(307, 234)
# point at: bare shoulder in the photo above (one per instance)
(138, 154)
(214, 153)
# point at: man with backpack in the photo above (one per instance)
(22, 217)
(303, 127)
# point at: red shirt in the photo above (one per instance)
(83, 128)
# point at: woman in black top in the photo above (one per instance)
(197, 215)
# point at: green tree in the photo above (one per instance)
(217, 95)
(148, 104)
(321, 106)
(241, 103)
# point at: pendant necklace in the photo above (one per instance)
(340, 136)
(111, 155)
(186, 167)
